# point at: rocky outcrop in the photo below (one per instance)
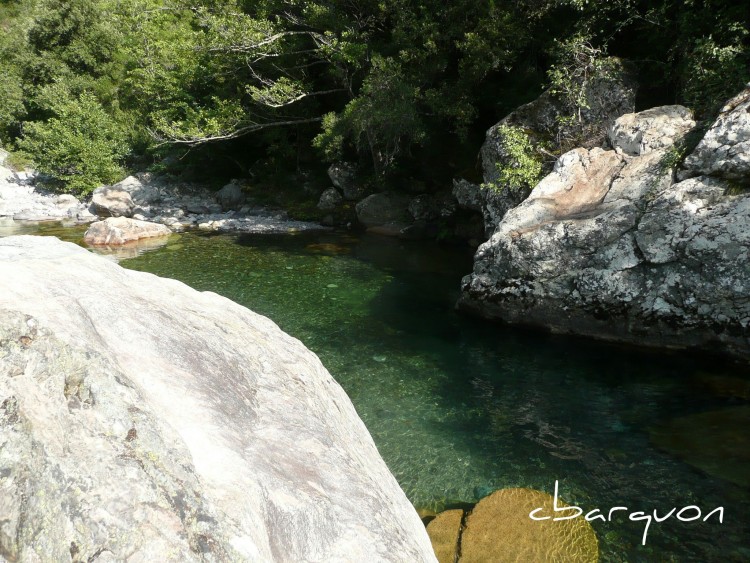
(725, 149)
(142, 420)
(121, 230)
(21, 201)
(654, 129)
(608, 246)
(177, 205)
(542, 121)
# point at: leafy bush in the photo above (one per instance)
(80, 148)
(521, 169)
(714, 73)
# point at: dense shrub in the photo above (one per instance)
(79, 148)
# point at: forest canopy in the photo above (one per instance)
(403, 87)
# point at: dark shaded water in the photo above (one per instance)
(459, 408)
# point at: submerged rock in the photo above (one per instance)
(445, 534)
(716, 442)
(143, 420)
(115, 231)
(499, 529)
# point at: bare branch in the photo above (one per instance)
(194, 142)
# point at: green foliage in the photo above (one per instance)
(713, 73)
(379, 119)
(80, 148)
(12, 107)
(578, 63)
(522, 167)
(17, 161)
(393, 82)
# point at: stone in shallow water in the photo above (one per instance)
(445, 532)
(499, 529)
(716, 442)
(121, 230)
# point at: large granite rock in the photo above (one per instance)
(142, 420)
(609, 246)
(115, 231)
(330, 199)
(542, 121)
(650, 130)
(725, 149)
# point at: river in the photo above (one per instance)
(459, 407)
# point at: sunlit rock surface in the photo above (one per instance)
(609, 246)
(115, 231)
(725, 149)
(144, 420)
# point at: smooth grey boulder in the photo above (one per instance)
(330, 199)
(384, 208)
(724, 151)
(653, 129)
(608, 246)
(231, 196)
(142, 420)
(112, 201)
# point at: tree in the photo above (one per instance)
(80, 147)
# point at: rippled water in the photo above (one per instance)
(459, 407)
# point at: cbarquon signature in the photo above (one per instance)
(688, 513)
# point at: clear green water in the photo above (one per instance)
(459, 407)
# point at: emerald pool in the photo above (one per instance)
(459, 407)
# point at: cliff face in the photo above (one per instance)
(610, 245)
(143, 420)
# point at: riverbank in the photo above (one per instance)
(178, 206)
